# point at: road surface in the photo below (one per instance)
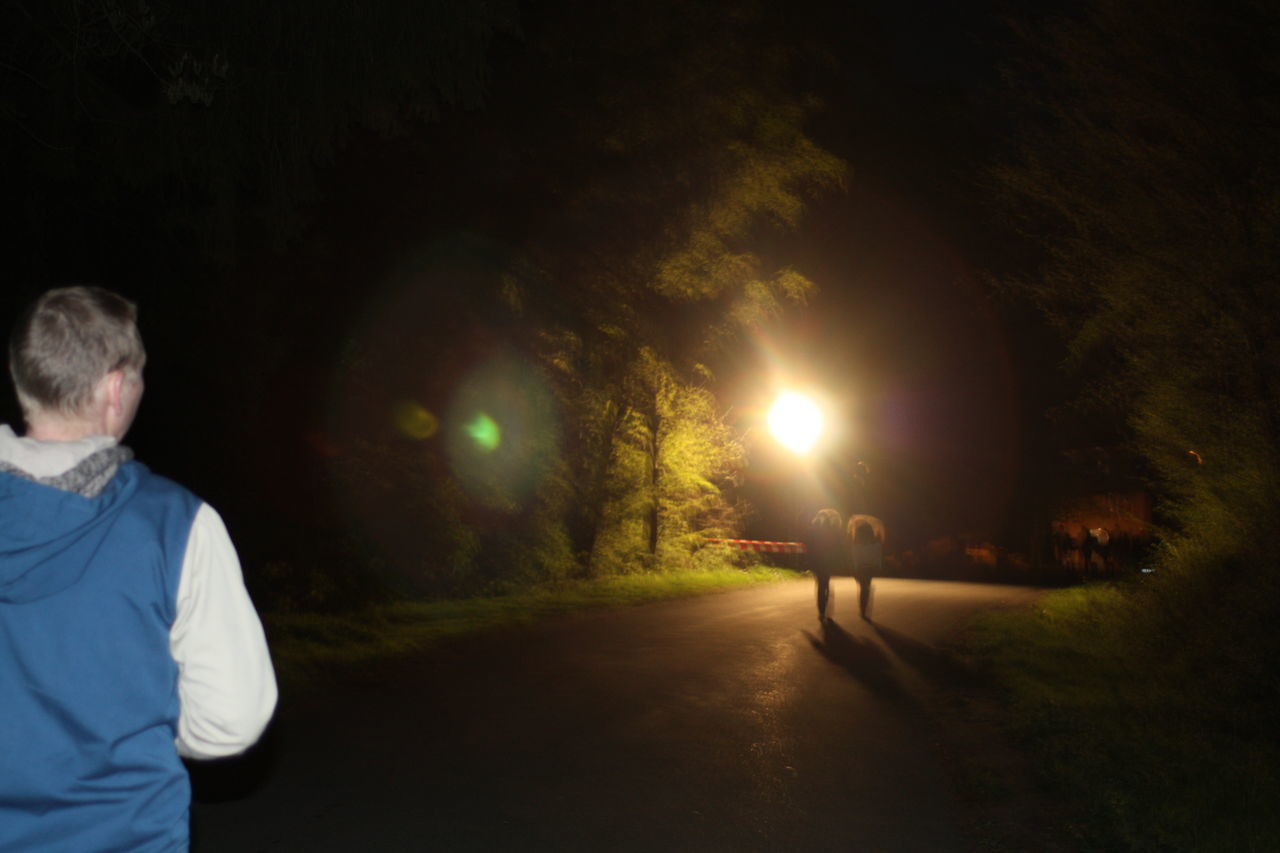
(727, 722)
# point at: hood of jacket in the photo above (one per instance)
(46, 522)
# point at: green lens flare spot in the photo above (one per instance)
(484, 431)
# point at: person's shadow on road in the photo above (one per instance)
(935, 665)
(864, 659)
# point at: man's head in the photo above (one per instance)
(76, 360)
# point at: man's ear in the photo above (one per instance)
(111, 388)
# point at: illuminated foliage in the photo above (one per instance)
(684, 156)
(649, 187)
(680, 174)
(672, 455)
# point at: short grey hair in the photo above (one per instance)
(66, 341)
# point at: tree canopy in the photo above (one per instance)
(1147, 173)
(204, 122)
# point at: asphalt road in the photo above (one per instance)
(728, 722)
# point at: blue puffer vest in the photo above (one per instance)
(88, 689)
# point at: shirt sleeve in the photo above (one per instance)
(226, 684)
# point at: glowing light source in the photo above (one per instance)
(795, 421)
(485, 432)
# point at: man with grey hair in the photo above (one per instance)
(127, 637)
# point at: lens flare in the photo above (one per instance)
(485, 432)
(414, 421)
(500, 431)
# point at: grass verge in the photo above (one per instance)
(307, 648)
(1152, 754)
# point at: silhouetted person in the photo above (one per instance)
(867, 555)
(127, 638)
(826, 554)
(859, 485)
(1101, 540)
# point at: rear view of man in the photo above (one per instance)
(126, 635)
(826, 554)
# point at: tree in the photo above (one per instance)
(599, 223)
(692, 153)
(1150, 176)
(206, 121)
(634, 201)
(671, 456)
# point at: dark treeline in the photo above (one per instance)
(1143, 182)
(431, 292)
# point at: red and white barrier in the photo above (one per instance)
(757, 545)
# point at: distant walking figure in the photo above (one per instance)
(867, 533)
(827, 554)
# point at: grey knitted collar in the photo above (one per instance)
(88, 477)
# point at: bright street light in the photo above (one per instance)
(795, 421)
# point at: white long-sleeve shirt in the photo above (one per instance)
(226, 684)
